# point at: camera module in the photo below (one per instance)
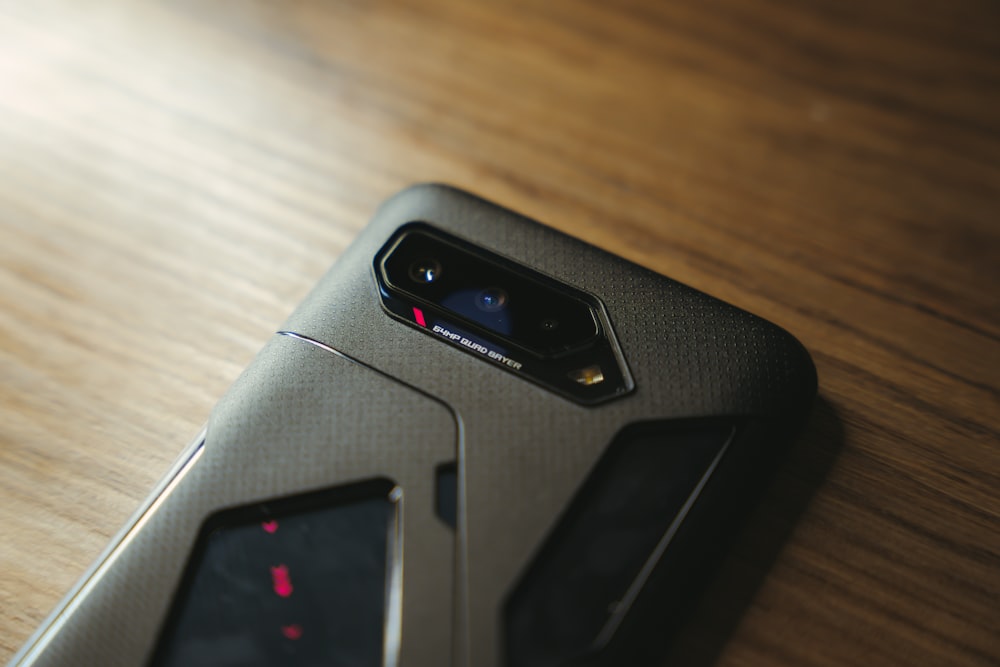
(488, 293)
(425, 271)
(502, 311)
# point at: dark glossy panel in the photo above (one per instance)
(595, 562)
(296, 582)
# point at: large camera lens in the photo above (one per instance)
(491, 299)
(425, 271)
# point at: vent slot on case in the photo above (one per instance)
(446, 493)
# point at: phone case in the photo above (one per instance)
(513, 526)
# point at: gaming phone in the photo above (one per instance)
(478, 442)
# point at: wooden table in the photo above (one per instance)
(174, 176)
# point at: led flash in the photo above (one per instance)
(588, 376)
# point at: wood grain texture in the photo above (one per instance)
(175, 175)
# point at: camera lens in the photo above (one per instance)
(549, 324)
(425, 271)
(491, 299)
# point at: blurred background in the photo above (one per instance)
(175, 175)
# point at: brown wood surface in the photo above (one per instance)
(175, 175)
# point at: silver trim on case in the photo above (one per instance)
(52, 624)
(392, 638)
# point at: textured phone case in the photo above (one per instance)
(357, 394)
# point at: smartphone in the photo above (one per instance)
(478, 442)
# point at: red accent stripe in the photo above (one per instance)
(418, 315)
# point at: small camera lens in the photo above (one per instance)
(549, 324)
(491, 299)
(425, 271)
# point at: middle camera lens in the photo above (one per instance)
(491, 299)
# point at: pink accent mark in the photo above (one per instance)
(293, 631)
(281, 581)
(418, 315)
(270, 526)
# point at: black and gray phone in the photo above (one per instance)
(478, 442)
